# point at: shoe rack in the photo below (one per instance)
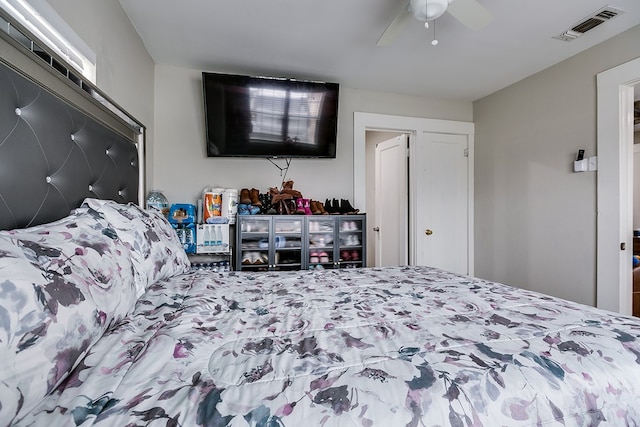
(336, 241)
(295, 242)
(269, 242)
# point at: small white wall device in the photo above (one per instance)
(582, 164)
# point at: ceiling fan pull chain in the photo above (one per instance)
(435, 40)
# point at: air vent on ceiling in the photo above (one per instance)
(589, 23)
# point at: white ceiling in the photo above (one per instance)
(335, 40)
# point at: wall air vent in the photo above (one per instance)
(589, 23)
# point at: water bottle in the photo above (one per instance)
(180, 232)
(208, 237)
(157, 200)
(218, 236)
(188, 236)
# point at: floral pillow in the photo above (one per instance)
(61, 286)
(156, 251)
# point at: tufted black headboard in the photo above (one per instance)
(53, 154)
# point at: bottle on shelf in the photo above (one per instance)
(218, 236)
(157, 200)
(207, 237)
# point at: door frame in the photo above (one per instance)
(614, 186)
(416, 126)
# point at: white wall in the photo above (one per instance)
(124, 68)
(535, 218)
(182, 170)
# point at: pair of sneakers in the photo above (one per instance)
(349, 226)
(254, 258)
(317, 226)
(351, 240)
(350, 255)
(317, 257)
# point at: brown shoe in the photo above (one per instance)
(315, 210)
(245, 197)
(254, 195)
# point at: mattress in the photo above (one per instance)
(398, 346)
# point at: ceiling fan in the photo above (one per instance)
(471, 13)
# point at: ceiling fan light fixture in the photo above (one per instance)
(428, 10)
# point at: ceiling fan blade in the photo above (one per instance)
(396, 26)
(470, 13)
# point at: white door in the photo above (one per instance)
(391, 202)
(614, 215)
(440, 182)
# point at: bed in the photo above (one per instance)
(103, 321)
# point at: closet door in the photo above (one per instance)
(440, 166)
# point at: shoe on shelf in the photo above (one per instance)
(343, 207)
(246, 258)
(355, 255)
(348, 226)
(328, 205)
(306, 204)
(346, 208)
(313, 258)
(322, 209)
(345, 255)
(352, 240)
(324, 257)
(335, 204)
(245, 197)
(254, 195)
(315, 209)
(260, 258)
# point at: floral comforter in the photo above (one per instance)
(406, 346)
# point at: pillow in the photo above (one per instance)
(61, 286)
(156, 251)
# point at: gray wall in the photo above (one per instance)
(124, 69)
(535, 218)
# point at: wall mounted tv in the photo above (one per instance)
(250, 116)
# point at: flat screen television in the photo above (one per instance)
(252, 116)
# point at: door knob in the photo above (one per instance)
(428, 232)
(376, 228)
